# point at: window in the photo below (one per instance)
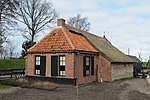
(37, 65)
(62, 64)
(62, 60)
(37, 72)
(37, 60)
(87, 67)
(87, 61)
(88, 64)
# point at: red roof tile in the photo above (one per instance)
(61, 39)
(79, 42)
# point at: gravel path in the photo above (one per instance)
(93, 91)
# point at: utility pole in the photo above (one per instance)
(76, 75)
(128, 51)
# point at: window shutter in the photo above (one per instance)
(84, 66)
(92, 65)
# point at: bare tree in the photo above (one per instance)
(7, 13)
(36, 15)
(12, 48)
(9, 50)
(79, 22)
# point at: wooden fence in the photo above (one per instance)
(11, 73)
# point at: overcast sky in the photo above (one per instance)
(126, 23)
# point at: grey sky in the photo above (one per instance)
(125, 22)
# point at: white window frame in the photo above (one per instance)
(62, 63)
(37, 60)
(37, 63)
(37, 72)
(62, 73)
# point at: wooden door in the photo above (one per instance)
(43, 66)
(54, 66)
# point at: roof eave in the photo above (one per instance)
(64, 51)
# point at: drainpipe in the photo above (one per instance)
(99, 76)
(76, 74)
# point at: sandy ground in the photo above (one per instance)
(130, 90)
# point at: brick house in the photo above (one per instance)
(70, 53)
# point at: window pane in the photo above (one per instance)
(87, 64)
(37, 62)
(87, 61)
(37, 58)
(62, 60)
(87, 72)
(37, 72)
(63, 63)
(62, 73)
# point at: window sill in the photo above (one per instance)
(61, 75)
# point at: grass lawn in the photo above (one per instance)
(12, 63)
(7, 83)
(4, 86)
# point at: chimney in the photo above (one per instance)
(61, 22)
(104, 36)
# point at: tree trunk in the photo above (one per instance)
(32, 37)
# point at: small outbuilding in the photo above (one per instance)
(137, 66)
(67, 53)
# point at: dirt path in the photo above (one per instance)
(138, 85)
(94, 91)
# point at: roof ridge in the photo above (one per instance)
(80, 31)
(68, 39)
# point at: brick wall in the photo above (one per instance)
(79, 69)
(74, 68)
(30, 64)
(123, 70)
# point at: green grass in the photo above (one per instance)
(123, 80)
(12, 63)
(7, 83)
(4, 86)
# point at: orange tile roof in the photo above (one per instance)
(79, 42)
(61, 39)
